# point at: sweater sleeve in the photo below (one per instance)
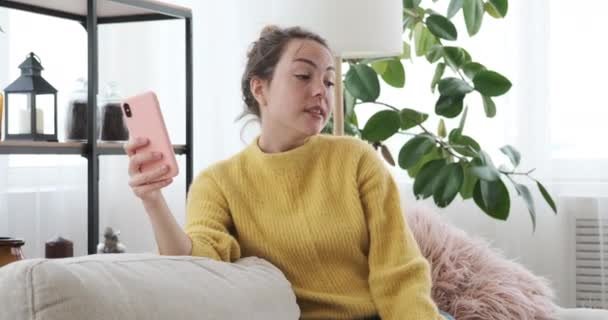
(208, 221)
(399, 276)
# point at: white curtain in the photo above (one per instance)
(529, 47)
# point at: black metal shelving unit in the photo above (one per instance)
(91, 13)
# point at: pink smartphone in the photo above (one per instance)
(144, 119)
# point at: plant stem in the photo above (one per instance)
(517, 173)
(437, 139)
(407, 133)
(461, 76)
(386, 105)
(411, 13)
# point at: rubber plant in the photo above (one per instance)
(443, 164)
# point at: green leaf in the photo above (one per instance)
(471, 69)
(493, 198)
(441, 27)
(414, 149)
(484, 159)
(329, 127)
(485, 173)
(470, 142)
(349, 106)
(351, 129)
(473, 15)
(423, 39)
(386, 153)
(454, 135)
(434, 154)
(465, 145)
(410, 21)
(411, 118)
(467, 56)
(352, 119)
(468, 185)
(483, 167)
(454, 87)
(512, 153)
(435, 53)
(454, 57)
(394, 74)
(490, 83)
(420, 11)
(491, 10)
(463, 119)
(447, 184)
(454, 7)
(411, 4)
(407, 51)
(547, 196)
(441, 130)
(524, 192)
(449, 106)
(362, 82)
(382, 125)
(380, 66)
(489, 107)
(439, 70)
(497, 8)
(350, 126)
(463, 150)
(425, 179)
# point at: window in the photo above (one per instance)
(579, 116)
(577, 81)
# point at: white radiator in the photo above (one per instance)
(591, 261)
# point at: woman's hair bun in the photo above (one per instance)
(268, 29)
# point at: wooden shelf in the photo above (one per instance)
(34, 147)
(110, 148)
(76, 148)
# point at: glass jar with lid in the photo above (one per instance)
(76, 122)
(113, 127)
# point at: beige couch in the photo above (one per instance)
(150, 287)
(146, 287)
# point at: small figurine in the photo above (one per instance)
(111, 243)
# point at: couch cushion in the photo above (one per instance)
(471, 280)
(143, 286)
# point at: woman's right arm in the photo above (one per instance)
(170, 238)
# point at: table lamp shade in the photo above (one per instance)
(353, 28)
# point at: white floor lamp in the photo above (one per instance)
(353, 28)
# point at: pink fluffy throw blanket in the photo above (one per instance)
(471, 281)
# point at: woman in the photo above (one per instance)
(323, 209)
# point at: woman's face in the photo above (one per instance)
(298, 101)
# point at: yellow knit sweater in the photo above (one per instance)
(327, 214)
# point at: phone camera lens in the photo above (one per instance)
(127, 110)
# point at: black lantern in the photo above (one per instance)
(31, 105)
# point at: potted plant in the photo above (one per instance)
(445, 162)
